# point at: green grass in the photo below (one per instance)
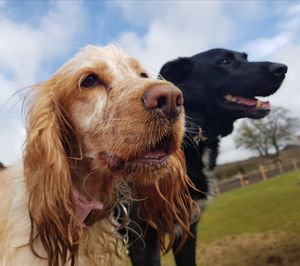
(270, 205)
(273, 204)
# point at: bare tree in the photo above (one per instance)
(274, 131)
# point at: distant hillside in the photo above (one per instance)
(230, 169)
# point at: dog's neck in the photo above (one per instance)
(209, 129)
(220, 127)
(95, 187)
(88, 180)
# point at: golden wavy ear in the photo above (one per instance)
(48, 180)
(168, 203)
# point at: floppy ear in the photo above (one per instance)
(48, 180)
(178, 70)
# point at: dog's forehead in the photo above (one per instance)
(111, 55)
(220, 52)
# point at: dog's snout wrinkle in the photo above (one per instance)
(166, 101)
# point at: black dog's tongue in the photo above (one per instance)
(251, 102)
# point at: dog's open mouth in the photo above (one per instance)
(158, 153)
(251, 107)
(155, 156)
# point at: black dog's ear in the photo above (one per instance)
(177, 70)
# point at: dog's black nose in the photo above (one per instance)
(278, 69)
(165, 100)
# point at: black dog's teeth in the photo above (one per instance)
(247, 102)
(230, 98)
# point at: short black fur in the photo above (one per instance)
(206, 80)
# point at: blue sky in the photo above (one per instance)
(36, 37)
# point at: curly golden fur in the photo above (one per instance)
(87, 137)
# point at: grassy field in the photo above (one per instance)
(256, 225)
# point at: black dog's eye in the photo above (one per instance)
(224, 61)
(90, 81)
(144, 75)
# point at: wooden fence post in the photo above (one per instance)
(241, 178)
(280, 167)
(295, 164)
(262, 171)
(217, 188)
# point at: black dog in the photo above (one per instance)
(219, 87)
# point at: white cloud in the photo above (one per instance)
(181, 28)
(289, 94)
(246, 10)
(263, 47)
(23, 51)
(23, 47)
(229, 153)
(20, 52)
(60, 27)
(288, 33)
(140, 12)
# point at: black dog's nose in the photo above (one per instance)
(278, 69)
(165, 100)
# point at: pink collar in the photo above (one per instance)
(84, 206)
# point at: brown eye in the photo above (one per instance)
(144, 75)
(90, 81)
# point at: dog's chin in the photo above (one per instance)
(257, 114)
(239, 106)
(152, 159)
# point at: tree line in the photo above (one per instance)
(270, 133)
